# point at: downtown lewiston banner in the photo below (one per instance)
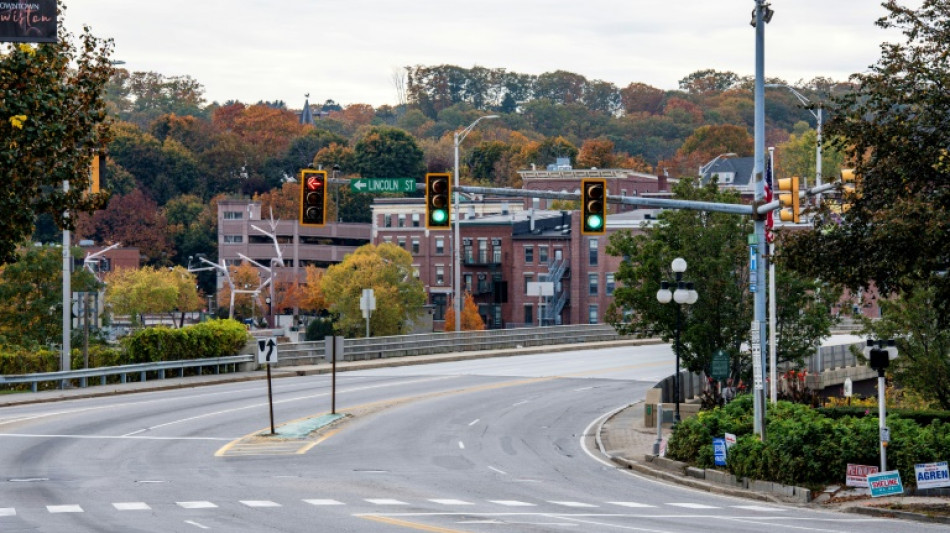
(27, 21)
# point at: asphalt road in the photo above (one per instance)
(490, 445)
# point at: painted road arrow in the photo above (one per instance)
(378, 185)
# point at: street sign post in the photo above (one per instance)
(379, 185)
(267, 355)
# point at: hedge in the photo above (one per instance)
(803, 446)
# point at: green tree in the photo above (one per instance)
(385, 152)
(387, 269)
(135, 292)
(796, 157)
(895, 127)
(52, 122)
(31, 309)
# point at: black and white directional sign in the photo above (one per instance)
(267, 350)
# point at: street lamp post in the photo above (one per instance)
(818, 120)
(684, 294)
(703, 169)
(457, 275)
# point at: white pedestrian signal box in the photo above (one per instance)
(267, 351)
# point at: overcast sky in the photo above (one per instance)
(348, 50)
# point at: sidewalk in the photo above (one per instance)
(626, 440)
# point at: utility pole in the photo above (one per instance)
(761, 15)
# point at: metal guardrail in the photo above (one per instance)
(431, 343)
(142, 369)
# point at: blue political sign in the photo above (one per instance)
(885, 484)
(719, 451)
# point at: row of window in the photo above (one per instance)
(415, 220)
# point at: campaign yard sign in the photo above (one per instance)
(858, 475)
(719, 451)
(885, 484)
(932, 475)
(28, 21)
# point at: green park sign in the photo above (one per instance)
(378, 185)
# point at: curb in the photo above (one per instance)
(892, 513)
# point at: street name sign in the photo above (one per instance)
(378, 185)
(885, 484)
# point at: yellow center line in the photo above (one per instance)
(411, 525)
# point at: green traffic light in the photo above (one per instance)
(594, 222)
(439, 216)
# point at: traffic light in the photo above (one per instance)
(851, 188)
(94, 170)
(313, 197)
(594, 206)
(438, 204)
(788, 196)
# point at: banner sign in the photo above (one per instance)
(719, 451)
(932, 475)
(885, 484)
(28, 21)
(858, 475)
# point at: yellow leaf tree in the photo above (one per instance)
(311, 295)
(135, 292)
(471, 320)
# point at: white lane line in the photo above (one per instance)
(512, 503)
(260, 503)
(634, 505)
(7, 511)
(450, 502)
(473, 422)
(760, 508)
(502, 472)
(196, 505)
(64, 509)
(693, 506)
(583, 389)
(196, 524)
(461, 445)
(323, 502)
(107, 437)
(131, 506)
(385, 501)
(522, 402)
(572, 504)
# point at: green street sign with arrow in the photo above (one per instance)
(378, 185)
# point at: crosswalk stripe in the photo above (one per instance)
(385, 501)
(131, 506)
(7, 511)
(260, 503)
(323, 502)
(572, 504)
(196, 505)
(512, 503)
(450, 502)
(693, 506)
(634, 505)
(64, 509)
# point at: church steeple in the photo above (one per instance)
(306, 116)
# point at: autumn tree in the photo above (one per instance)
(387, 269)
(311, 293)
(471, 320)
(136, 292)
(708, 80)
(135, 221)
(282, 203)
(385, 152)
(642, 98)
(52, 122)
(245, 277)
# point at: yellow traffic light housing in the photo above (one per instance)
(313, 197)
(788, 196)
(438, 201)
(851, 187)
(593, 206)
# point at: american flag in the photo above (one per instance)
(769, 236)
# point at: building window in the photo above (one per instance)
(467, 282)
(528, 314)
(439, 305)
(415, 220)
(388, 221)
(592, 314)
(402, 220)
(528, 278)
(558, 254)
(592, 280)
(401, 242)
(439, 245)
(388, 239)
(528, 255)
(610, 284)
(592, 247)
(469, 254)
(415, 246)
(233, 262)
(415, 271)
(440, 275)
(233, 239)
(496, 254)
(233, 215)
(542, 255)
(483, 251)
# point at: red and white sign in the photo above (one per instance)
(858, 475)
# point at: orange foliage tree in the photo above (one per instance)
(471, 320)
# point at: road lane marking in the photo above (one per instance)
(502, 472)
(634, 505)
(522, 402)
(411, 525)
(693, 506)
(260, 503)
(473, 422)
(760, 508)
(461, 445)
(323, 502)
(512, 503)
(196, 524)
(450, 502)
(131, 506)
(385, 501)
(64, 509)
(196, 505)
(7, 511)
(572, 504)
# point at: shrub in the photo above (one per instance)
(214, 338)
